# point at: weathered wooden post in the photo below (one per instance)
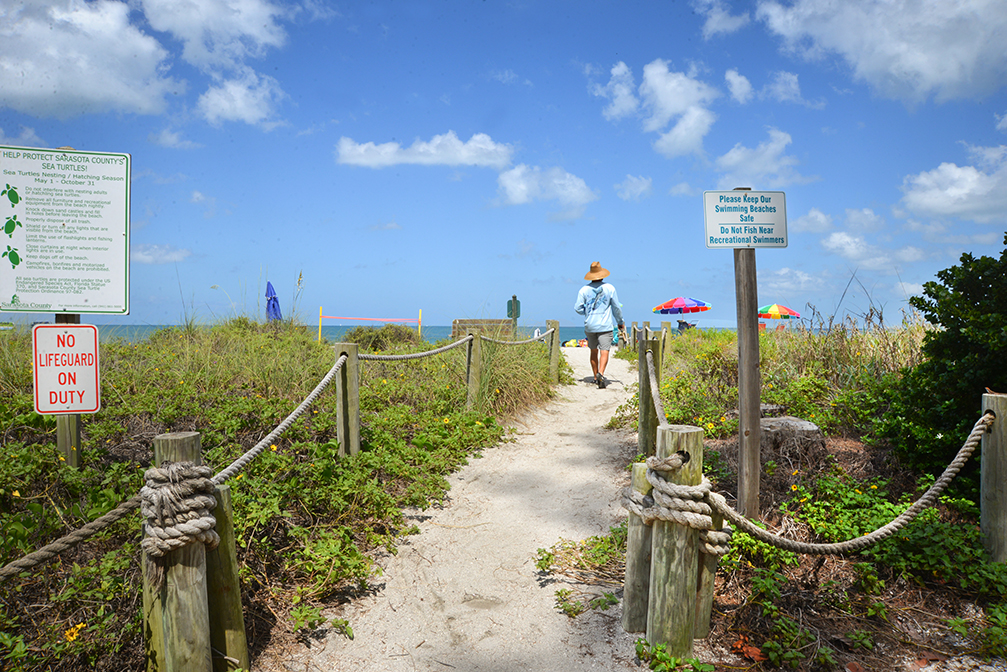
(473, 370)
(223, 592)
(666, 336)
(749, 427)
(348, 399)
(993, 480)
(554, 344)
(646, 435)
(705, 584)
(672, 614)
(68, 424)
(177, 620)
(646, 331)
(633, 336)
(636, 588)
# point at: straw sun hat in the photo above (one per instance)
(596, 272)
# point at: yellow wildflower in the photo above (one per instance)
(272, 447)
(874, 487)
(794, 487)
(795, 472)
(73, 632)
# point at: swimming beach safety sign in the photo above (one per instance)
(64, 242)
(742, 218)
(65, 368)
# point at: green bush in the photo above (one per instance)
(375, 339)
(937, 403)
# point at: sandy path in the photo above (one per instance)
(464, 593)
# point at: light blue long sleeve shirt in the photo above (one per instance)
(599, 304)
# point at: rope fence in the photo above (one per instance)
(158, 506)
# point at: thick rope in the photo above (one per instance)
(417, 355)
(51, 550)
(720, 505)
(691, 504)
(655, 391)
(176, 505)
(533, 339)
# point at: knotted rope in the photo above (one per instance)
(692, 504)
(176, 504)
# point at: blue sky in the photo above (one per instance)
(444, 156)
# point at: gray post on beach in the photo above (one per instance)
(636, 587)
(646, 435)
(645, 327)
(633, 336)
(348, 399)
(553, 349)
(993, 480)
(749, 429)
(666, 336)
(223, 592)
(68, 424)
(473, 369)
(177, 619)
(672, 615)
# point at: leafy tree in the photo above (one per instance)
(936, 404)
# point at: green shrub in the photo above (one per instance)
(386, 337)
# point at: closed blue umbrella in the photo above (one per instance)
(272, 304)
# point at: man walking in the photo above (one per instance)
(599, 304)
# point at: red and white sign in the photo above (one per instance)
(65, 358)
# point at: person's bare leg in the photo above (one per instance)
(594, 362)
(602, 361)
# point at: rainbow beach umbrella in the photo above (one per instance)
(778, 312)
(682, 304)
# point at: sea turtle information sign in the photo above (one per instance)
(64, 245)
(741, 218)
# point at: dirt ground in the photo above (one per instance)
(465, 594)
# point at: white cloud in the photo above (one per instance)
(786, 89)
(621, 92)
(634, 188)
(740, 87)
(718, 18)
(864, 219)
(64, 58)
(218, 35)
(504, 76)
(525, 184)
(157, 254)
(172, 140)
(26, 138)
(683, 189)
(967, 192)
(442, 150)
(815, 221)
(667, 95)
(1001, 122)
(250, 98)
(786, 282)
(909, 288)
(911, 52)
(765, 166)
(386, 226)
(857, 250)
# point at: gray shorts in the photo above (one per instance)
(600, 340)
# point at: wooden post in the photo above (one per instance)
(68, 425)
(636, 588)
(223, 592)
(553, 350)
(473, 370)
(666, 336)
(749, 429)
(177, 629)
(993, 480)
(705, 585)
(646, 435)
(633, 336)
(672, 614)
(348, 399)
(646, 331)
(513, 317)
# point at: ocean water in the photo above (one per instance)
(136, 333)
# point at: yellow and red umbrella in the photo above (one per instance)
(778, 312)
(682, 304)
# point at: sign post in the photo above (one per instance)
(745, 220)
(66, 379)
(513, 312)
